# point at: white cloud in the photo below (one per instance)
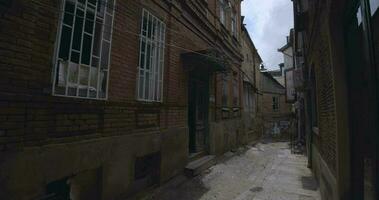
(269, 22)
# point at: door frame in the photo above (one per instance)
(198, 77)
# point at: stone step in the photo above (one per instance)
(195, 167)
(197, 155)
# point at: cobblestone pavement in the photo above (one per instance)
(267, 171)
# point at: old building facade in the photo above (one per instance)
(100, 99)
(276, 112)
(250, 66)
(336, 76)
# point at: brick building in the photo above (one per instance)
(336, 75)
(251, 70)
(100, 99)
(275, 110)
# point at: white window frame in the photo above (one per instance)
(105, 13)
(152, 43)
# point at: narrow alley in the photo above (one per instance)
(265, 171)
(189, 100)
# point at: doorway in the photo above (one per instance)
(198, 111)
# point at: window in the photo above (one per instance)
(151, 58)
(275, 103)
(225, 90)
(235, 90)
(234, 24)
(374, 5)
(222, 11)
(83, 50)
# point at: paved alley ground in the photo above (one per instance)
(263, 172)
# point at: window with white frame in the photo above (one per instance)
(83, 49)
(234, 24)
(151, 58)
(222, 5)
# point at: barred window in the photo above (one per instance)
(151, 58)
(83, 50)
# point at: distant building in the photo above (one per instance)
(275, 110)
(251, 72)
(287, 68)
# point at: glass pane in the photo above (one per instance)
(142, 53)
(93, 2)
(78, 30)
(97, 39)
(103, 84)
(374, 4)
(140, 85)
(144, 28)
(95, 62)
(73, 74)
(74, 56)
(86, 51)
(72, 79)
(108, 27)
(84, 75)
(101, 8)
(62, 73)
(83, 91)
(359, 16)
(64, 47)
(90, 17)
(154, 29)
(94, 77)
(150, 21)
(110, 6)
(105, 55)
(148, 55)
(93, 81)
(147, 81)
(69, 13)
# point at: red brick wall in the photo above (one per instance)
(30, 115)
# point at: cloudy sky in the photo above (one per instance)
(268, 22)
